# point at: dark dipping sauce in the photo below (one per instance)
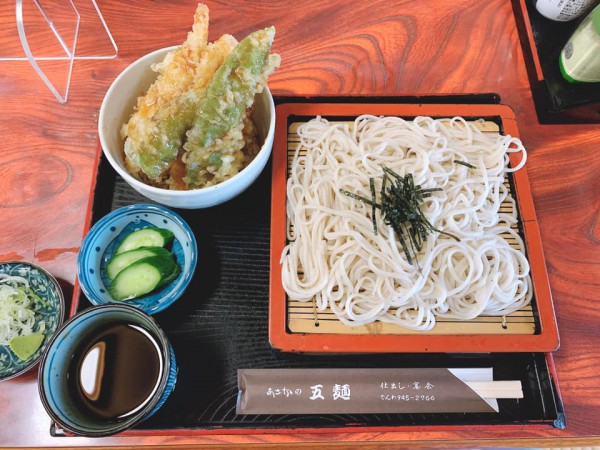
(115, 372)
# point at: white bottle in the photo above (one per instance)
(580, 58)
(562, 10)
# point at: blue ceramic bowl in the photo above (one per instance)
(58, 396)
(107, 234)
(51, 312)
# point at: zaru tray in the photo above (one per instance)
(304, 317)
(300, 327)
(220, 325)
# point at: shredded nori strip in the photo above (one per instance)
(373, 208)
(464, 163)
(400, 204)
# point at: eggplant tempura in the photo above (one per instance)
(194, 126)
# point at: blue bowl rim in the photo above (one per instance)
(141, 207)
(59, 322)
(141, 414)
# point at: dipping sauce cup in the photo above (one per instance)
(107, 369)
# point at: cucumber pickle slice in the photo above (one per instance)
(122, 260)
(143, 276)
(146, 237)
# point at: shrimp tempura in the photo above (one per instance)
(195, 127)
(155, 132)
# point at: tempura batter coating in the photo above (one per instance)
(156, 130)
(217, 138)
(194, 127)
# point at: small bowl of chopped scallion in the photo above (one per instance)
(31, 311)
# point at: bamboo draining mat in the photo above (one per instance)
(304, 317)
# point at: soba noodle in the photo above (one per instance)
(335, 258)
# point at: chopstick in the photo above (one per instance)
(497, 389)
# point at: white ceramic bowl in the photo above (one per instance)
(116, 109)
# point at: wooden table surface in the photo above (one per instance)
(327, 48)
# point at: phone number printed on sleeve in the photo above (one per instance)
(407, 398)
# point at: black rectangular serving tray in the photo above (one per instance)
(220, 325)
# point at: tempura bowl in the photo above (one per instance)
(117, 107)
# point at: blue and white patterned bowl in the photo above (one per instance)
(58, 396)
(107, 234)
(51, 312)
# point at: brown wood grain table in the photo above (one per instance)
(384, 48)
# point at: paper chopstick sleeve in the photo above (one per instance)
(340, 391)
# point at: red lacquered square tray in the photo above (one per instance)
(297, 327)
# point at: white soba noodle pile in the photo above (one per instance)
(335, 258)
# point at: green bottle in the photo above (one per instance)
(580, 58)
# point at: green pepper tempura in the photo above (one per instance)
(215, 142)
(194, 127)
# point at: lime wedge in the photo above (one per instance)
(25, 346)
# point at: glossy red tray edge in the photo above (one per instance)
(87, 224)
(280, 338)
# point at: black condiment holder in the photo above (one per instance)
(556, 100)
